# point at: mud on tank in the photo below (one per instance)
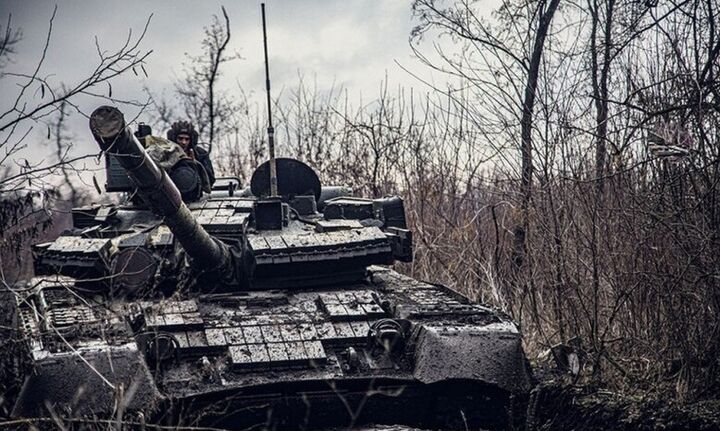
(245, 310)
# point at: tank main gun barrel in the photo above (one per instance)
(107, 125)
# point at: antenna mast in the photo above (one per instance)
(270, 129)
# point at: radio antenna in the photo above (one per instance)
(270, 129)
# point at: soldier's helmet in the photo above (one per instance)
(183, 127)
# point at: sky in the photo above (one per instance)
(353, 44)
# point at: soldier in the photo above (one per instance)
(184, 134)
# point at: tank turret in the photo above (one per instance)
(155, 187)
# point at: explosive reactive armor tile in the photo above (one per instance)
(343, 306)
(277, 354)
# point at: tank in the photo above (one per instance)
(244, 310)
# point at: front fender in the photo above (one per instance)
(492, 354)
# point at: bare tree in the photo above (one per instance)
(62, 148)
(9, 39)
(29, 108)
(495, 50)
(27, 188)
(201, 102)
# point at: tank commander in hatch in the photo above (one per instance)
(184, 134)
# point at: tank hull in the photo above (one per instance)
(280, 359)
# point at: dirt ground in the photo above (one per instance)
(558, 406)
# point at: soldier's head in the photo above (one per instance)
(184, 134)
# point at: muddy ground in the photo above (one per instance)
(562, 406)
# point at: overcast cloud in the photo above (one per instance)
(352, 44)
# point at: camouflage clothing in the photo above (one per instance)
(168, 155)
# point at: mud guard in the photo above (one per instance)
(492, 354)
(67, 383)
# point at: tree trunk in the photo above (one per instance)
(526, 130)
